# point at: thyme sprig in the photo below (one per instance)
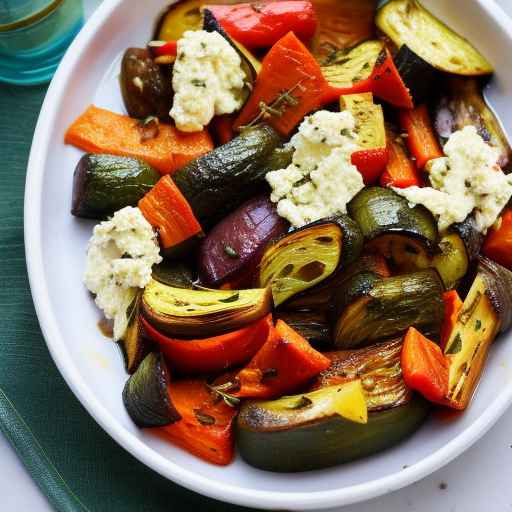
(221, 393)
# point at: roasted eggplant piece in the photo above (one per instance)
(182, 313)
(378, 367)
(179, 274)
(103, 184)
(308, 255)
(418, 75)
(463, 105)
(311, 325)
(233, 248)
(145, 394)
(311, 431)
(345, 67)
(177, 19)
(406, 236)
(223, 179)
(342, 24)
(407, 22)
(145, 85)
(368, 309)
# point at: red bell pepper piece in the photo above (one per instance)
(206, 425)
(213, 354)
(370, 163)
(424, 367)
(262, 24)
(400, 171)
(498, 244)
(166, 48)
(285, 362)
(452, 307)
(421, 139)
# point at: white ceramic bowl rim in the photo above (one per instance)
(57, 346)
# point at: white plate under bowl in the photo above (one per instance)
(92, 366)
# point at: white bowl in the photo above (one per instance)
(92, 366)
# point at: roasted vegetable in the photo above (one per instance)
(233, 248)
(318, 431)
(405, 235)
(206, 425)
(145, 394)
(177, 19)
(418, 75)
(212, 354)
(283, 364)
(342, 24)
(185, 313)
(135, 344)
(145, 86)
(463, 105)
(308, 255)
(344, 68)
(100, 131)
(407, 22)
(178, 274)
(165, 208)
(498, 244)
(452, 307)
(368, 309)
(103, 184)
(218, 182)
(378, 368)
(264, 26)
(311, 325)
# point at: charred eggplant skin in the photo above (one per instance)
(145, 86)
(145, 395)
(223, 179)
(179, 274)
(326, 442)
(103, 184)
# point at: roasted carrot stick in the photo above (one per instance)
(498, 244)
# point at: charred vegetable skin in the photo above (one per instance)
(145, 394)
(145, 85)
(308, 255)
(234, 246)
(368, 309)
(221, 180)
(103, 184)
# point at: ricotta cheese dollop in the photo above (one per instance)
(120, 255)
(468, 179)
(321, 179)
(207, 79)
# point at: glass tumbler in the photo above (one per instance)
(34, 34)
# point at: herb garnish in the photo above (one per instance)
(221, 392)
(302, 402)
(231, 252)
(456, 345)
(478, 325)
(204, 419)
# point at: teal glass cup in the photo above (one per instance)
(34, 34)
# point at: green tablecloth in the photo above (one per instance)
(73, 461)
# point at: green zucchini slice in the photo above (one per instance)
(145, 395)
(345, 67)
(369, 309)
(408, 22)
(301, 442)
(305, 257)
(183, 313)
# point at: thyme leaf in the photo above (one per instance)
(204, 419)
(220, 392)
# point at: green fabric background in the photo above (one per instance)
(73, 461)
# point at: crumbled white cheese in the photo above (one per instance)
(468, 179)
(321, 179)
(207, 79)
(120, 255)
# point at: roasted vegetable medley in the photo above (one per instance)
(304, 238)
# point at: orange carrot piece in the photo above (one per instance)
(101, 131)
(206, 425)
(421, 139)
(400, 171)
(288, 66)
(498, 244)
(285, 362)
(452, 307)
(167, 210)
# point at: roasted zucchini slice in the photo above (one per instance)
(183, 313)
(305, 257)
(405, 236)
(179, 274)
(368, 309)
(145, 394)
(345, 67)
(177, 19)
(306, 432)
(408, 22)
(311, 325)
